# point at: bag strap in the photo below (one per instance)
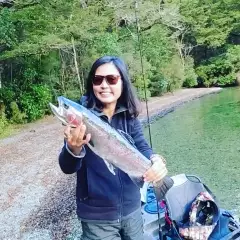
(211, 193)
(205, 186)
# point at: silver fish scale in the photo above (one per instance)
(112, 147)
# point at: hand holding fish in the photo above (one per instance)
(157, 171)
(75, 137)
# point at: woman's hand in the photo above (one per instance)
(157, 171)
(76, 138)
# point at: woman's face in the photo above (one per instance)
(107, 85)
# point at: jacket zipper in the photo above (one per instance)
(121, 197)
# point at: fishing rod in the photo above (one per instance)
(139, 36)
(167, 182)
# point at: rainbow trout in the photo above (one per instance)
(108, 143)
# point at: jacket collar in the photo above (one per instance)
(99, 112)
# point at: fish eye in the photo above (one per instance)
(65, 106)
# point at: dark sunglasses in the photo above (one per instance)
(111, 79)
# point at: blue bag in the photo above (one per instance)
(227, 227)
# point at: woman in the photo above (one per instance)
(108, 205)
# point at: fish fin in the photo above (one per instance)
(138, 181)
(110, 167)
(91, 146)
(162, 187)
(127, 137)
(91, 143)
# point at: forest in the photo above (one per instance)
(47, 48)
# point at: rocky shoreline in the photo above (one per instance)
(160, 106)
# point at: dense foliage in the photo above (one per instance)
(47, 47)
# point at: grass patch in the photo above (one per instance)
(11, 130)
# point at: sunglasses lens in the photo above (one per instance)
(98, 80)
(112, 79)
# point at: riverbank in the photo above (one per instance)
(38, 199)
(160, 106)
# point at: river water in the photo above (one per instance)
(203, 138)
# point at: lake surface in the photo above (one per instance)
(202, 138)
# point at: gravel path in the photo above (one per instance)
(37, 200)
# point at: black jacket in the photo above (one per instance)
(100, 195)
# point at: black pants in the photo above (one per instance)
(129, 228)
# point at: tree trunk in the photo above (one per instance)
(76, 65)
(238, 78)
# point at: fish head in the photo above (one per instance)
(66, 112)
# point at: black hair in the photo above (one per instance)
(128, 97)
